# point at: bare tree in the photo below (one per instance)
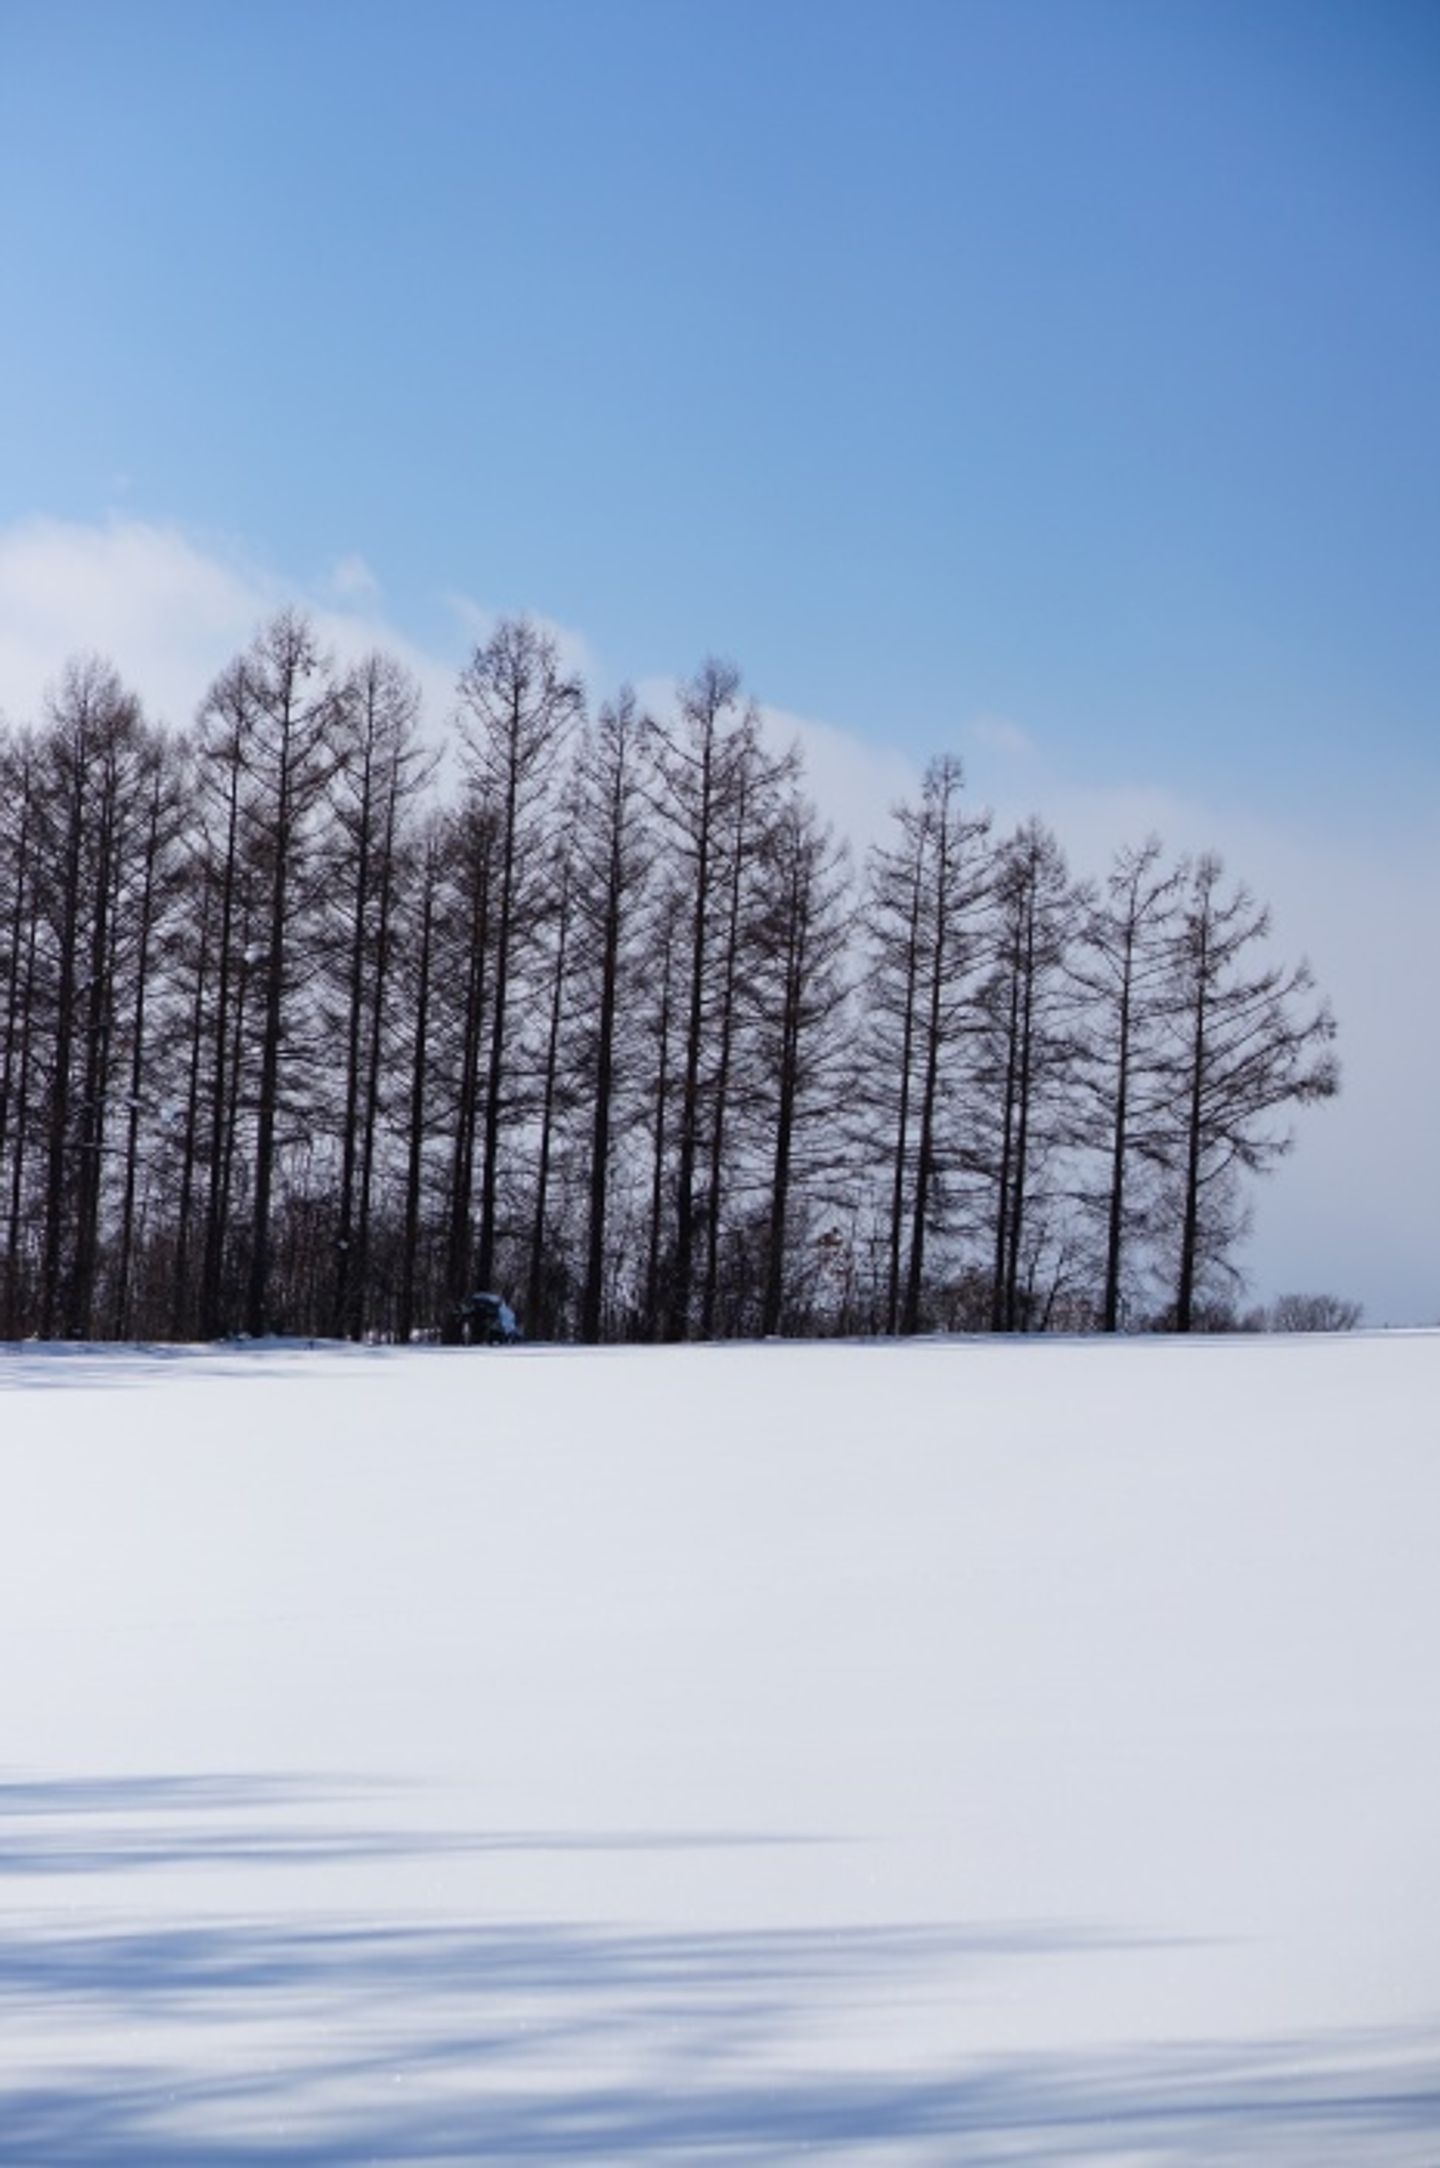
(924, 916)
(92, 754)
(517, 708)
(546, 1276)
(799, 998)
(1248, 1041)
(418, 938)
(1121, 972)
(381, 769)
(270, 730)
(150, 896)
(471, 851)
(668, 944)
(613, 855)
(1313, 1313)
(22, 889)
(223, 902)
(284, 1042)
(1029, 1065)
(715, 789)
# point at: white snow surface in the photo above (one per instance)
(955, 1752)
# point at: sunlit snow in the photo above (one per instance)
(955, 1752)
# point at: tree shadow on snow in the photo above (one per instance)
(43, 1366)
(101, 1825)
(147, 2039)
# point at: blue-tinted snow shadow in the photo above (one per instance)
(101, 1825)
(50, 1365)
(352, 2083)
(195, 2042)
(43, 1366)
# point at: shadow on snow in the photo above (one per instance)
(236, 2042)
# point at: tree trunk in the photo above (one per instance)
(547, 1121)
(125, 1255)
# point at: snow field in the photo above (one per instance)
(951, 1752)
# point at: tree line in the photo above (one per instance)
(306, 1027)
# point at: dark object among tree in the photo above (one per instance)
(484, 1320)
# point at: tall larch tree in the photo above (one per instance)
(381, 768)
(517, 708)
(1030, 1038)
(1120, 969)
(926, 897)
(1249, 1041)
(799, 999)
(612, 864)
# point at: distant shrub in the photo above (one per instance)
(1313, 1313)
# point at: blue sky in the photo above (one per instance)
(1057, 376)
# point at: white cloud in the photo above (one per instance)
(169, 612)
(164, 610)
(855, 784)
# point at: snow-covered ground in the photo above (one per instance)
(960, 1752)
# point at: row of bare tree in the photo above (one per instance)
(307, 1027)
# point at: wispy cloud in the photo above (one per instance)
(165, 609)
(169, 610)
(856, 784)
(352, 580)
(998, 734)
